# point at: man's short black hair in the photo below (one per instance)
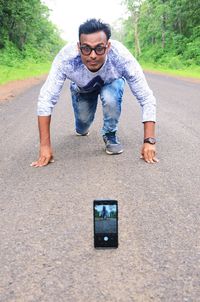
(92, 26)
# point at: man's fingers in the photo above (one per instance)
(35, 163)
(43, 161)
(155, 159)
(40, 162)
(47, 161)
(149, 156)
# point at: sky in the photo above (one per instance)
(69, 14)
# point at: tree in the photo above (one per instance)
(25, 24)
(163, 31)
(133, 7)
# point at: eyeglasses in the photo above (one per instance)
(99, 50)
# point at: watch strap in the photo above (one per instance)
(150, 140)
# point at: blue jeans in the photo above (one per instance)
(85, 105)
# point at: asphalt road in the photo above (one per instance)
(46, 222)
(107, 225)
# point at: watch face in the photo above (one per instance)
(150, 140)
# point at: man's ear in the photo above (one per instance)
(78, 46)
(109, 45)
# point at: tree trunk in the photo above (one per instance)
(136, 34)
(163, 39)
(164, 19)
(137, 41)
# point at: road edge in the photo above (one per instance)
(14, 88)
(179, 77)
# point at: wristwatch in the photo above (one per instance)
(150, 140)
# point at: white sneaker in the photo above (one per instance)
(84, 134)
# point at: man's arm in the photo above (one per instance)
(48, 98)
(148, 152)
(137, 82)
(46, 155)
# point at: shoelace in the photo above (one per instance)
(111, 137)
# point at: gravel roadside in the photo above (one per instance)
(14, 88)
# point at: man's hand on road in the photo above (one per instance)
(46, 157)
(148, 153)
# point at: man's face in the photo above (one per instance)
(94, 60)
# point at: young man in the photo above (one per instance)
(96, 66)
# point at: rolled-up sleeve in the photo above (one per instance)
(51, 89)
(134, 75)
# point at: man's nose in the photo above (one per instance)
(93, 54)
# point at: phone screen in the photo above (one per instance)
(105, 223)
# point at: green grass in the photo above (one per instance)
(189, 72)
(26, 70)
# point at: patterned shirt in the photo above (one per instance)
(119, 63)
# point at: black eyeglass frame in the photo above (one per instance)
(93, 48)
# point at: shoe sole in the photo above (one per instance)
(114, 153)
(85, 134)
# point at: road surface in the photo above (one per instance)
(46, 214)
(106, 225)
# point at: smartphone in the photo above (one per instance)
(105, 223)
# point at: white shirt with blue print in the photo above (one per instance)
(119, 63)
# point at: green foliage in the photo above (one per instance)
(128, 35)
(26, 34)
(27, 70)
(192, 52)
(191, 71)
(168, 31)
(10, 55)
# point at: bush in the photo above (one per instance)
(192, 51)
(10, 55)
(152, 54)
(175, 62)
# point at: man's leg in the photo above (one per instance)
(111, 97)
(84, 105)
